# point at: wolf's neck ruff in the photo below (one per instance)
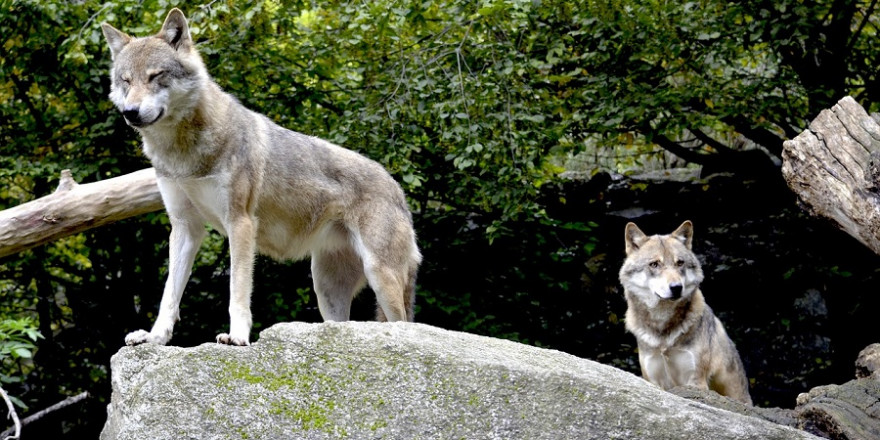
(665, 324)
(179, 148)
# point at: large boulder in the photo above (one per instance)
(397, 381)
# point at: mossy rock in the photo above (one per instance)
(371, 380)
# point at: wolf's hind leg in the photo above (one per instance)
(338, 276)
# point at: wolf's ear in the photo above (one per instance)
(634, 237)
(685, 233)
(175, 31)
(116, 39)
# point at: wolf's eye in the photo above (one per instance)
(156, 75)
(679, 263)
(654, 264)
(127, 81)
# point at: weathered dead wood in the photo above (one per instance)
(834, 167)
(868, 362)
(847, 412)
(74, 208)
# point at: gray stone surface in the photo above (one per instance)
(365, 380)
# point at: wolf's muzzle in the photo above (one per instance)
(133, 116)
(675, 289)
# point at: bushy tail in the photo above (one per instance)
(409, 298)
(409, 295)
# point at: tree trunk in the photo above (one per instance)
(834, 167)
(74, 208)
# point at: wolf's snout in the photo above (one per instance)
(675, 288)
(132, 115)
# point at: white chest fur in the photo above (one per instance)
(668, 367)
(202, 199)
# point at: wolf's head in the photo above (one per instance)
(660, 267)
(155, 79)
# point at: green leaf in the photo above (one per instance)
(22, 352)
(17, 402)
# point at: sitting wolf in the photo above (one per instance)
(269, 189)
(681, 342)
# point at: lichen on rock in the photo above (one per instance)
(396, 380)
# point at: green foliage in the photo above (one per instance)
(469, 104)
(18, 339)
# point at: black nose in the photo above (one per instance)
(132, 114)
(675, 288)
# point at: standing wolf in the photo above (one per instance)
(681, 342)
(269, 189)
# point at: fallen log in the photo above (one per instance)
(834, 168)
(74, 208)
(846, 412)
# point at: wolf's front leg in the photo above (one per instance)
(186, 238)
(242, 250)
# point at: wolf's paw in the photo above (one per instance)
(142, 336)
(226, 338)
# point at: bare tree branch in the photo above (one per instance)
(14, 416)
(708, 140)
(761, 136)
(865, 19)
(42, 413)
(680, 151)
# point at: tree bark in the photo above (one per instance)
(74, 208)
(834, 168)
(842, 412)
(847, 412)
